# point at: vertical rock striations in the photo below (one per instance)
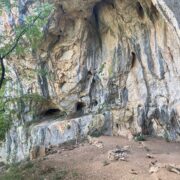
(111, 57)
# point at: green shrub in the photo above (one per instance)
(5, 121)
(140, 137)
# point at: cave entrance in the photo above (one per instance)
(140, 10)
(133, 59)
(117, 125)
(80, 106)
(51, 112)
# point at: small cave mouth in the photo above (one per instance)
(133, 59)
(96, 14)
(140, 9)
(117, 125)
(89, 73)
(79, 106)
(51, 112)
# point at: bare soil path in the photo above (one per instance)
(88, 162)
(91, 163)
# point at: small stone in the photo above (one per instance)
(132, 171)
(95, 142)
(153, 169)
(173, 168)
(149, 156)
(126, 148)
(112, 156)
(118, 154)
(123, 159)
(153, 162)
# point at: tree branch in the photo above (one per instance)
(2, 71)
(13, 47)
(19, 37)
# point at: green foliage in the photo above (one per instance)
(166, 136)
(140, 137)
(22, 39)
(42, 72)
(35, 33)
(35, 170)
(35, 97)
(4, 120)
(101, 68)
(6, 114)
(16, 172)
(5, 4)
(25, 37)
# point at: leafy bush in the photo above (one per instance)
(140, 137)
(5, 122)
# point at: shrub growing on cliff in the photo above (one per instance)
(4, 123)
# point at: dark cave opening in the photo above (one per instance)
(140, 10)
(95, 103)
(95, 13)
(89, 73)
(80, 106)
(117, 125)
(51, 112)
(133, 59)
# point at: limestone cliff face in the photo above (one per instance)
(117, 58)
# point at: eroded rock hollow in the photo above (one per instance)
(115, 61)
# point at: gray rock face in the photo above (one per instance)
(113, 57)
(20, 141)
(174, 5)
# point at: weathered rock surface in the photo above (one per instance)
(120, 58)
(22, 142)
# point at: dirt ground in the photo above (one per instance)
(91, 162)
(88, 162)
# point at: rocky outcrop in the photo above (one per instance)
(115, 57)
(32, 141)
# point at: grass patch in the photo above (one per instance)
(13, 173)
(37, 170)
(140, 137)
(60, 175)
(19, 171)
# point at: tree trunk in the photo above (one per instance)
(2, 72)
